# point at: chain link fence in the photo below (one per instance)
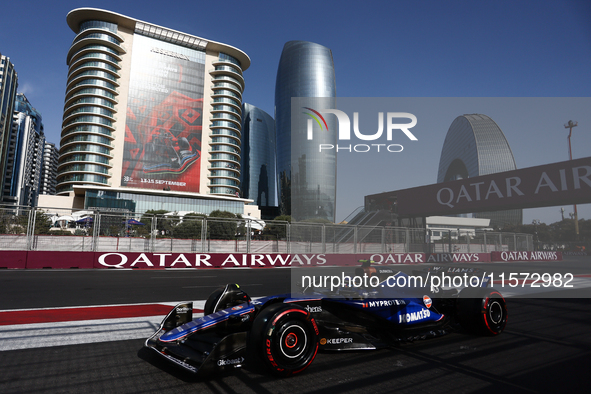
(453, 241)
(47, 229)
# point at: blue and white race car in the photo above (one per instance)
(284, 332)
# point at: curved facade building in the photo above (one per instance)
(90, 108)
(226, 119)
(306, 178)
(148, 107)
(258, 173)
(474, 146)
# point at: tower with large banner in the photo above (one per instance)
(151, 115)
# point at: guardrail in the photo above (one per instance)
(56, 229)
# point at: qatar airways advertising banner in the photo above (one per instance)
(548, 185)
(136, 260)
(164, 117)
(270, 260)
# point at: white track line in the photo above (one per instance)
(37, 335)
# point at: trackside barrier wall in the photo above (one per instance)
(120, 260)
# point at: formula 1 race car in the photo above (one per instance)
(284, 332)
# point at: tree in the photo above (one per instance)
(275, 229)
(225, 228)
(190, 227)
(42, 223)
(165, 225)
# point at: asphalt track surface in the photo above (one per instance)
(545, 348)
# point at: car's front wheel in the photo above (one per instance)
(286, 337)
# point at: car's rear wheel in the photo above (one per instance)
(286, 337)
(482, 310)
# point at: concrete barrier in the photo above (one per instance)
(13, 259)
(37, 260)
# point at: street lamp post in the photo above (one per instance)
(570, 126)
(536, 222)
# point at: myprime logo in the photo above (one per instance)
(344, 130)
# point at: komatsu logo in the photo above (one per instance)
(414, 316)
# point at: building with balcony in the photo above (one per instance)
(24, 157)
(150, 111)
(8, 86)
(49, 169)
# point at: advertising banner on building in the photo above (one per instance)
(164, 117)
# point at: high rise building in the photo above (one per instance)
(49, 169)
(258, 168)
(151, 117)
(8, 86)
(25, 155)
(475, 145)
(306, 178)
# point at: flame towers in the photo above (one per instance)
(306, 178)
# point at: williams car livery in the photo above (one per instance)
(284, 332)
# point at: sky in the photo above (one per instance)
(414, 49)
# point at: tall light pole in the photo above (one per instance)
(562, 212)
(570, 126)
(536, 222)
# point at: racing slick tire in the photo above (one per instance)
(482, 310)
(285, 337)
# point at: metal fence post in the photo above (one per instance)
(323, 237)
(153, 233)
(248, 236)
(288, 236)
(407, 245)
(96, 230)
(203, 233)
(514, 242)
(31, 227)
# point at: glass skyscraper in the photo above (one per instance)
(306, 179)
(258, 168)
(474, 146)
(8, 86)
(25, 154)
